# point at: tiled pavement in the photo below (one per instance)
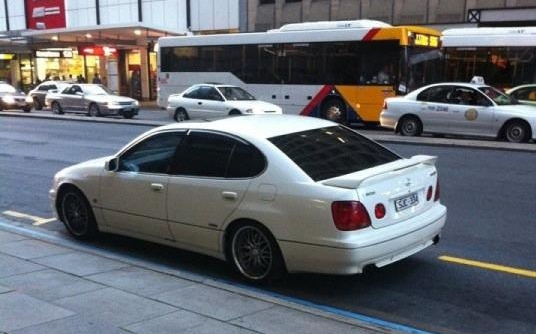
(51, 288)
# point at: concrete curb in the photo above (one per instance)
(251, 292)
(376, 135)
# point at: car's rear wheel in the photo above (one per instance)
(37, 104)
(234, 112)
(27, 109)
(255, 253)
(410, 126)
(94, 110)
(334, 110)
(77, 215)
(517, 132)
(56, 108)
(181, 115)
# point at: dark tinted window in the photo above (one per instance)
(152, 155)
(204, 154)
(333, 151)
(192, 93)
(214, 155)
(528, 93)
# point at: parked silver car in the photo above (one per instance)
(461, 109)
(91, 99)
(39, 93)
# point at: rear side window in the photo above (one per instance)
(438, 94)
(333, 151)
(214, 155)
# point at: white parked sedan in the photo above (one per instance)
(267, 193)
(206, 100)
(461, 109)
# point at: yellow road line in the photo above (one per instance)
(36, 220)
(489, 266)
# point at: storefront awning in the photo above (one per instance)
(122, 36)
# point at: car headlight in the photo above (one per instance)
(136, 103)
(8, 99)
(249, 111)
(29, 99)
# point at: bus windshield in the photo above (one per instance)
(497, 96)
(423, 68)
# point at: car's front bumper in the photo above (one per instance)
(118, 110)
(397, 244)
(17, 105)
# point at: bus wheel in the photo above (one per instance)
(334, 110)
(181, 115)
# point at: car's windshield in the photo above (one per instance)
(332, 151)
(5, 88)
(96, 90)
(235, 94)
(497, 96)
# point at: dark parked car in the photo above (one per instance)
(11, 98)
(38, 93)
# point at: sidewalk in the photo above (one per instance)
(53, 285)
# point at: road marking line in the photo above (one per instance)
(489, 266)
(37, 221)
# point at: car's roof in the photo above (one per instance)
(256, 126)
(213, 84)
(522, 86)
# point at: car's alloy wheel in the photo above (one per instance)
(77, 215)
(410, 126)
(94, 110)
(255, 254)
(516, 132)
(56, 108)
(181, 115)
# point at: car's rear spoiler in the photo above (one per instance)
(352, 181)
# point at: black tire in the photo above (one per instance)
(181, 115)
(128, 115)
(27, 109)
(56, 108)
(410, 126)
(77, 214)
(517, 132)
(254, 253)
(37, 104)
(334, 110)
(235, 112)
(93, 110)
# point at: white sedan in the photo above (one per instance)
(461, 109)
(206, 100)
(269, 194)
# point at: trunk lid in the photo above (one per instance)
(401, 186)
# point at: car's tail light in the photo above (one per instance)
(385, 105)
(429, 193)
(436, 197)
(379, 210)
(349, 215)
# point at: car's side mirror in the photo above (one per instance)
(112, 165)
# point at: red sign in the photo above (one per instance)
(45, 14)
(97, 51)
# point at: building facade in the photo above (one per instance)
(268, 14)
(111, 41)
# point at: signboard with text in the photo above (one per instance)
(45, 14)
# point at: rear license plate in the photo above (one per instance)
(406, 202)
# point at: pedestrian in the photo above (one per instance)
(97, 79)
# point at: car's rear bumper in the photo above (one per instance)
(388, 120)
(398, 244)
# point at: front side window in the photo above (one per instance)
(497, 96)
(332, 151)
(152, 155)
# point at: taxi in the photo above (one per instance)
(458, 108)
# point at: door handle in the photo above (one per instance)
(230, 195)
(200, 103)
(157, 186)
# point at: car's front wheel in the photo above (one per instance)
(517, 132)
(181, 115)
(255, 253)
(94, 110)
(334, 110)
(37, 104)
(76, 213)
(410, 126)
(56, 108)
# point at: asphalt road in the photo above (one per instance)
(492, 219)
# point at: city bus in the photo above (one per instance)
(338, 70)
(503, 57)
